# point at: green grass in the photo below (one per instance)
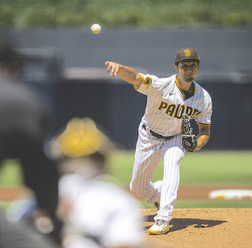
(206, 204)
(217, 168)
(199, 168)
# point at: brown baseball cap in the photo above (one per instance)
(186, 54)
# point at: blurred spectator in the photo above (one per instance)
(22, 132)
(96, 213)
(21, 236)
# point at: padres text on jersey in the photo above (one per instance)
(177, 110)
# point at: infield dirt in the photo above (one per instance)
(203, 228)
(190, 228)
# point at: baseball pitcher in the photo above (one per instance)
(165, 130)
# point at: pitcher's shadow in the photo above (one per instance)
(182, 223)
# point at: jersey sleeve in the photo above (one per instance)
(204, 118)
(150, 84)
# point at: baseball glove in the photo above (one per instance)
(189, 140)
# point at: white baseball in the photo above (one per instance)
(96, 28)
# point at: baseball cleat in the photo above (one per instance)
(160, 227)
(159, 184)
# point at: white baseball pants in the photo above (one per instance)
(149, 151)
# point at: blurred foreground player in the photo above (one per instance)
(23, 128)
(96, 213)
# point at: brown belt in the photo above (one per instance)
(159, 136)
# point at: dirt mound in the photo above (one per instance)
(208, 228)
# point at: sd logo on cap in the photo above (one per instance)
(186, 54)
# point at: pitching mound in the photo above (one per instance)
(204, 228)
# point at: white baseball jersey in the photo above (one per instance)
(166, 103)
(101, 211)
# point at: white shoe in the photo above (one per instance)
(159, 184)
(160, 227)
